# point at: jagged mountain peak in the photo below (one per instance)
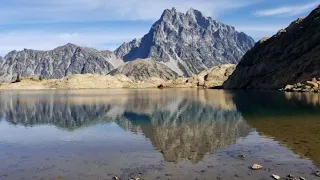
(69, 46)
(194, 12)
(188, 43)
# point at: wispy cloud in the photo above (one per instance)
(288, 10)
(17, 11)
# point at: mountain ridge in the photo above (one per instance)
(187, 43)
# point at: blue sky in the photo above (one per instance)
(105, 24)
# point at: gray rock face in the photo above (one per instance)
(126, 49)
(188, 43)
(144, 69)
(57, 63)
(1, 61)
(291, 56)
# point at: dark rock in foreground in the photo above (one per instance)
(289, 57)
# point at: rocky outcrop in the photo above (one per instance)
(308, 86)
(145, 69)
(212, 78)
(126, 49)
(58, 63)
(291, 56)
(188, 43)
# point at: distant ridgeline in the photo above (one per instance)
(187, 43)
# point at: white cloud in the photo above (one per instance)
(17, 11)
(49, 40)
(288, 10)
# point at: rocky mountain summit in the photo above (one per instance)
(188, 43)
(57, 63)
(289, 57)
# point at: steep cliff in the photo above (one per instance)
(290, 56)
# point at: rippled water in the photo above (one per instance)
(158, 134)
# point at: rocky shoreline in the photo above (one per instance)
(208, 79)
(308, 86)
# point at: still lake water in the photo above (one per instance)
(157, 134)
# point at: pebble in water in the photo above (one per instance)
(274, 176)
(290, 177)
(256, 167)
(241, 156)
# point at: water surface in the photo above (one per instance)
(157, 134)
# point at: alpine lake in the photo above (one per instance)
(158, 134)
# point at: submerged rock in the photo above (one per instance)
(241, 156)
(290, 177)
(256, 167)
(277, 177)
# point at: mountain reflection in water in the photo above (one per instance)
(181, 124)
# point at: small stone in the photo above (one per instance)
(256, 167)
(307, 87)
(288, 87)
(314, 80)
(317, 173)
(302, 178)
(276, 177)
(313, 84)
(241, 156)
(290, 177)
(160, 86)
(299, 85)
(115, 178)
